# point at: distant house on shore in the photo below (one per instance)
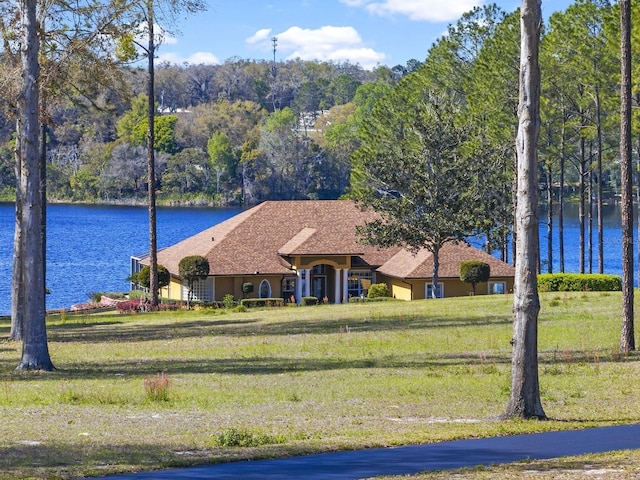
(294, 249)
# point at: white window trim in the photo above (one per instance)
(363, 274)
(428, 285)
(203, 290)
(269, 291)
(499, 282)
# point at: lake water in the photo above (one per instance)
(88, 247)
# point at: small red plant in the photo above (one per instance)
(157, 388)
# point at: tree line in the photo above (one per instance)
(226, 134)
(246, 131)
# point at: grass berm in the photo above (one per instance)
(182, 388)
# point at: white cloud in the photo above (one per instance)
(206, 58)
(418, 10)
(259, 37)
(166, 39)
(327, 43)
(197, 58)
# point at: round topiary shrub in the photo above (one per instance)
(378, 290)
(474, 272)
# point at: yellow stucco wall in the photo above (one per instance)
(415, 289)
(173, 291)
(233, 286)
(338, 261)
(227, 285)
(398, 288)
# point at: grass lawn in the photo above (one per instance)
(183, 388)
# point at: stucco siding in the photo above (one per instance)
(397, 288)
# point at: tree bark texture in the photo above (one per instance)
(524, 400)
(627, 338)
(436, 270)
(561, 201)
(35, 350)
(151, 169)
(17, 283)
(599, 186)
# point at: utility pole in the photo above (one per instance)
(274, 72)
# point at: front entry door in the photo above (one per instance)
(319, 287)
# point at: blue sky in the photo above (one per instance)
(367, 32)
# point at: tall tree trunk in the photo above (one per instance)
(599, 185)
(436, 270)
(35, 350)
(151, 169)
(638, 209)
(581, 203)
(627, 337)
(524, 401)
(549, 181)
(43, 191)
(561, 202)
(514, 195)
(590, 211)
(17, 283)
(549, 219)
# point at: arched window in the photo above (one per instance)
(265, 289)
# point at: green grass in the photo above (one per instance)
(610, 466)
(287, 381)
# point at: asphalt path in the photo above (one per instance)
(412, 459)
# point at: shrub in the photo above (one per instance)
(130, 306)
(137, 294)
(378, 290)
(143, 277)
(576, 282)
(375, 299)
(169, 305)
(192, 269)
(304, 301)
(207, 305)
(262, 302)
(228, 301)
(237, 437)
(474, 272)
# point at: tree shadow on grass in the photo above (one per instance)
(249, 327)
(257, 365)
(453, 364)
(39, 460)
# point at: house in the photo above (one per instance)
(293, 249)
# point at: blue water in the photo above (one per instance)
(612, 242)
(88, 247)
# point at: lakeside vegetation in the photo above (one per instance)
(191, 387)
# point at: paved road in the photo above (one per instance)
(412, 459)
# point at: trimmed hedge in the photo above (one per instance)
(374, 299)
(262, 302)
(308, 301)
(576, 282)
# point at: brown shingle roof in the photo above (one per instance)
(258, 239)
(405, 264)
